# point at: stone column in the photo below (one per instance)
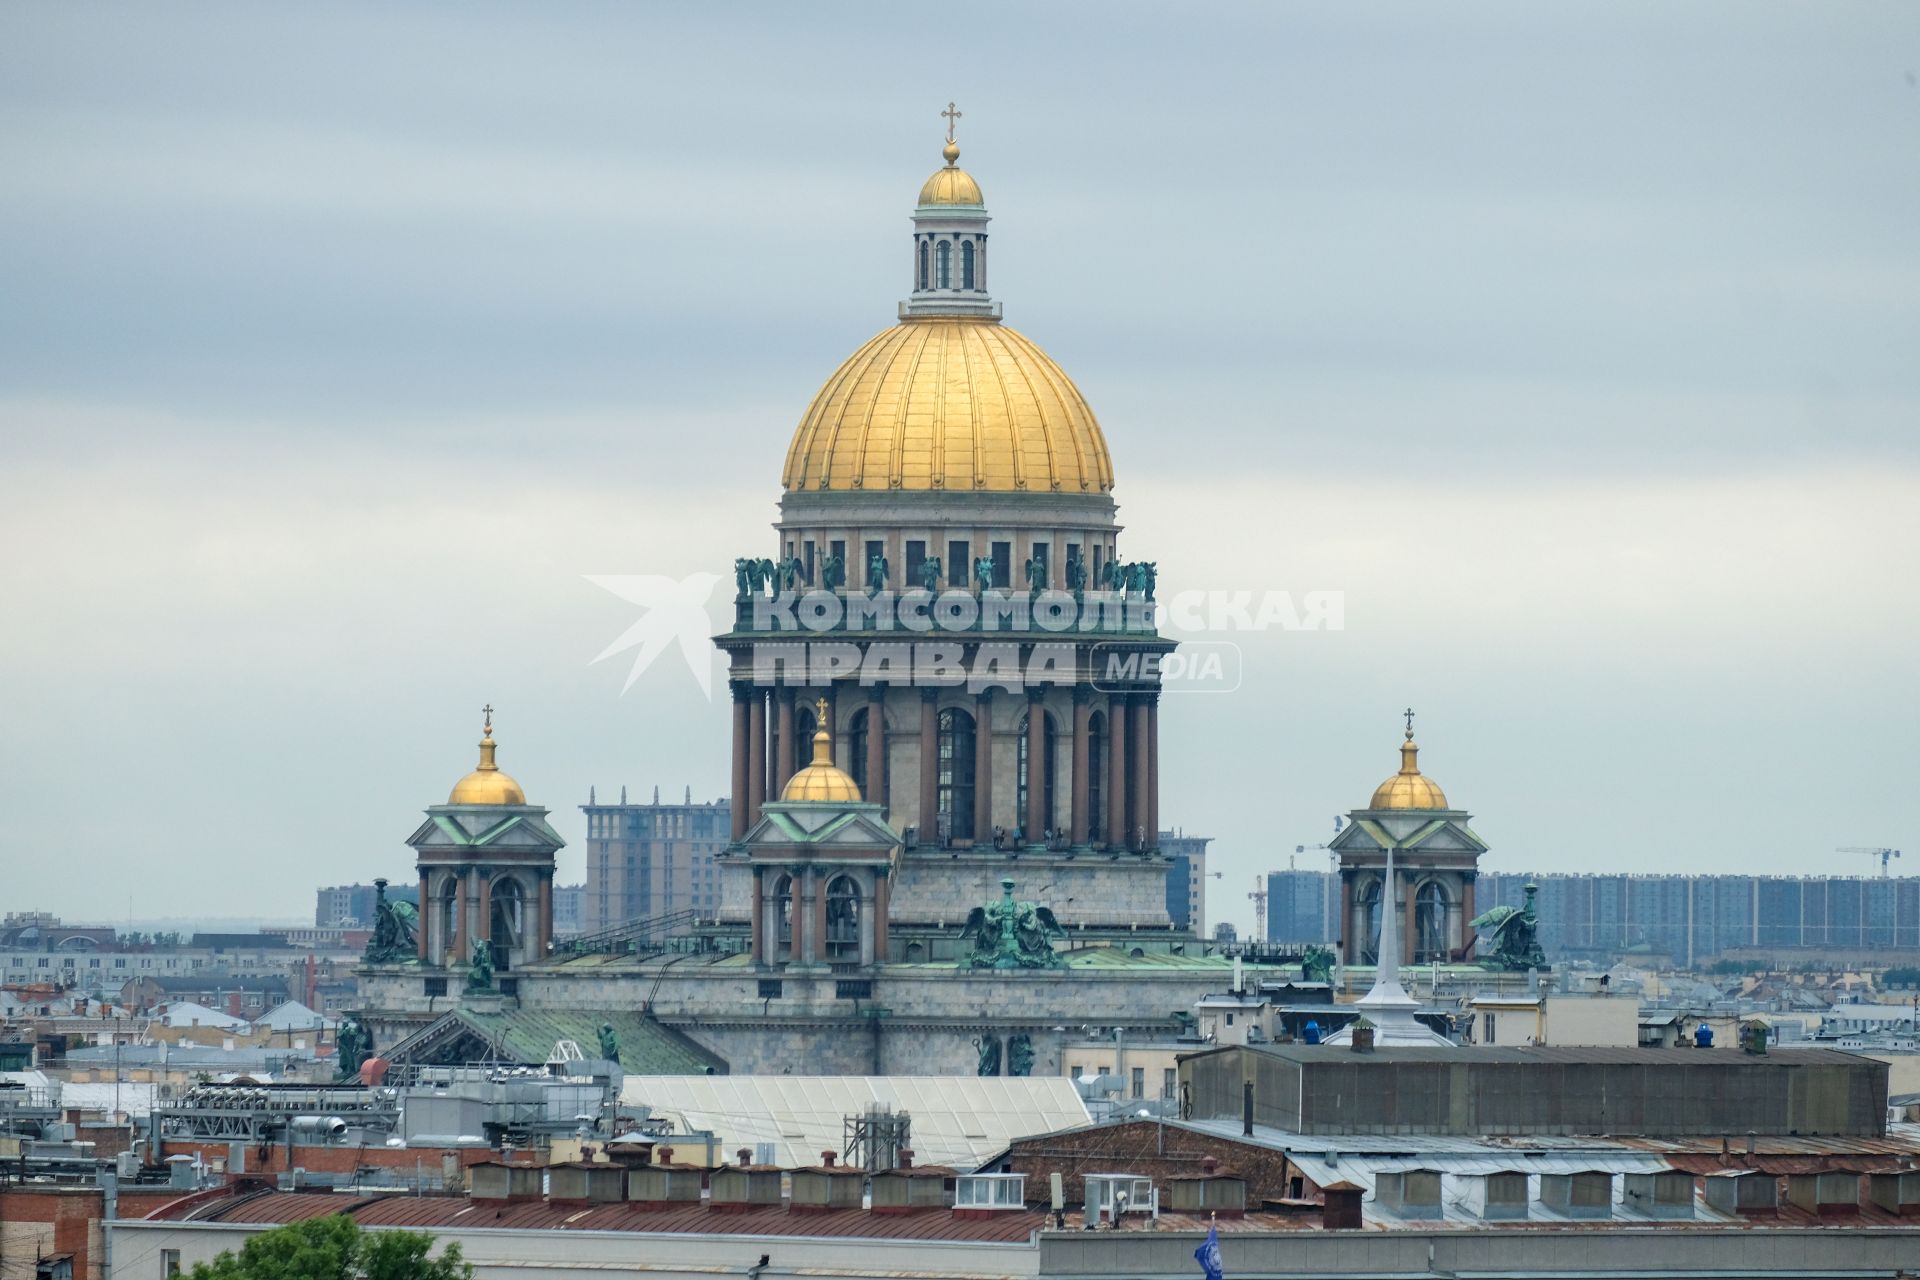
(877, 746)
(1116, 832)
(757, 915)
(1082, 721)
(1467, 913)
(983, 770)
(1347, 951)
(483, 898)
(1153, 769)
(882, 905)
(772, 788)
(929, 819)
(867, 905)
(1036, 818)
(786, 749)
(543, 929)
(804, 939)
(1142, 778)
(742, 749)
(756, 752)
(1412, 935)
(819, 921)
(424, 939)
(460, 948)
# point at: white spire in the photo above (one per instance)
(1388, 1006)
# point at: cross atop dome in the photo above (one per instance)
(950, 242)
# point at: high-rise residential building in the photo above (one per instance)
(1186, 879)
(569, 908)
(350, 906)
(650, 860)
(1689, 919)
(1303, 907)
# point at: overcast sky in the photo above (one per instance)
(1578, 345)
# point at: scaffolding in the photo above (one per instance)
(875, 1139)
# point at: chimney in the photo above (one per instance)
(1239, 976)
(746, 1156)
(1341, 1211)
(826, 1159)
(666, 1155)
(1208, 1164)
(1752, 1141)
(1246, 1108)
(906, 1157)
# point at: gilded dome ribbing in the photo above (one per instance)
(486, 784)
(949, 403)
(1409, 788)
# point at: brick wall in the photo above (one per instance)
(37, 1221)
(1151, 1150)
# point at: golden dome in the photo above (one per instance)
(486, 784)
(949, 403)
(822, 779)
(951, 185)
(1409, 788)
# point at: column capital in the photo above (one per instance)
(1082, 695)
(1036, 694)
(929, 694)
(743, 690)
(985, 695)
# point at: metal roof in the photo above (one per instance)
(957, 1120)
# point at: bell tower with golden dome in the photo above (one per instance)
(948, 528)
(1436, 856)
(486, 861)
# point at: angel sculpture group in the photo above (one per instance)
(1012, 935)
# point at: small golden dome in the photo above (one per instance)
(949, 403)
(951, 185)
(1409, 788)
(822, 779)
(486, 784)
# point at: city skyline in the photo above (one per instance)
(328, 383)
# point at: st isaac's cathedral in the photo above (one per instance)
(945, 698)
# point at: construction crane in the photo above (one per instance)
(1885, 855)
(1259, 896)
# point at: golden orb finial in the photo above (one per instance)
(952, 153)
(822, 779)
(486, 784)
(1409, 788)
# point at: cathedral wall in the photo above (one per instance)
(1090, 888)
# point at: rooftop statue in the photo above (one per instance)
(930, 573)
(877, 569)
(480, 971)
(1012, 935)
(396, 930)
(609, 1042)
(1317, 964)
(352, 1045)
(1036, 574)
(983, 572)
(1514, 935)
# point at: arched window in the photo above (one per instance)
(956, 774)
(1096, 776)
(1367, 946)
(966, 264)
(1047, 809)
(857, 758)
(783, 912)
(923, 264)
(507, 928)
(1429, 923)
(943, 256)
(843, 918)
(800, 750)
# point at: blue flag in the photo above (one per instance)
(1208, 1254)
